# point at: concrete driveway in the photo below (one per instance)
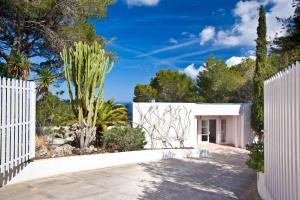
(222, 176)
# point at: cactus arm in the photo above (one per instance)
(64, 57)
(100, 98)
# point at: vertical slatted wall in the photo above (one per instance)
(282, 134)
(17, 122)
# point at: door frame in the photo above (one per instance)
(201, 134)
(199, 128)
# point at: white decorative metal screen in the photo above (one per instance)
(17, 122)
(282, 134)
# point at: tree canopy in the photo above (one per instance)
(39, 30)
(216, 82)
(288, 46)
(166, 86)
(144, 93)
(173, 86)
(219, 83)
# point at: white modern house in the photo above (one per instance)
(191, 124)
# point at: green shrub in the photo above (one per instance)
(256, 156)
(124, 139)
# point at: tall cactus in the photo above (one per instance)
(85, 69)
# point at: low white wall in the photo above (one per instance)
(55, 166)
(261, 187)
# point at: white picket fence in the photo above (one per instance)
(17, 122)
(282, 134)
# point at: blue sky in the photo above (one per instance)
(149, 35)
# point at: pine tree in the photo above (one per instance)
(257, 116)
(288, 46)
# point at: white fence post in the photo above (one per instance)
(282, 134)
(17, 122)
(32, 119)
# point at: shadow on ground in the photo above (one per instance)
(222, 176)
(11, 173)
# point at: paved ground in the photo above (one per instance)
(222, 176)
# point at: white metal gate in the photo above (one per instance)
(282, 134)
(17, 122)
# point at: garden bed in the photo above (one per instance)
(55, 166)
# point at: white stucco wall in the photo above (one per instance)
(248, 133)
(161, 119)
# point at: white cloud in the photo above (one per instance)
(142, 2)
(235, 60)
(191, 71)
(207, 34)
(173, 41)
(243, 31)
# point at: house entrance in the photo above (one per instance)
(208, 131)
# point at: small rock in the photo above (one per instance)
(63, 150)
(42, 152)
(77, 151)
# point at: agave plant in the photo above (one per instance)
(111, 114)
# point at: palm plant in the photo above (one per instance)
(111, 114)
(18, 66)
(45, 78)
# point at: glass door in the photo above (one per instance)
(223, 130)
(205, 131)
(212, 131)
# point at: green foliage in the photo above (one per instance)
(256, 156)
(219, 83)
(173, 86)
(85, 69)
(3, 70)
(275, 63)
(288, 46)
(17, 66)
(216, 83)
(42, 28)
(45, 79)
(257, 109)
(167, 86)
(111, 114)
(261, 42)
(144, 93)
(52, 111)
(244, 88)
(124, 139)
